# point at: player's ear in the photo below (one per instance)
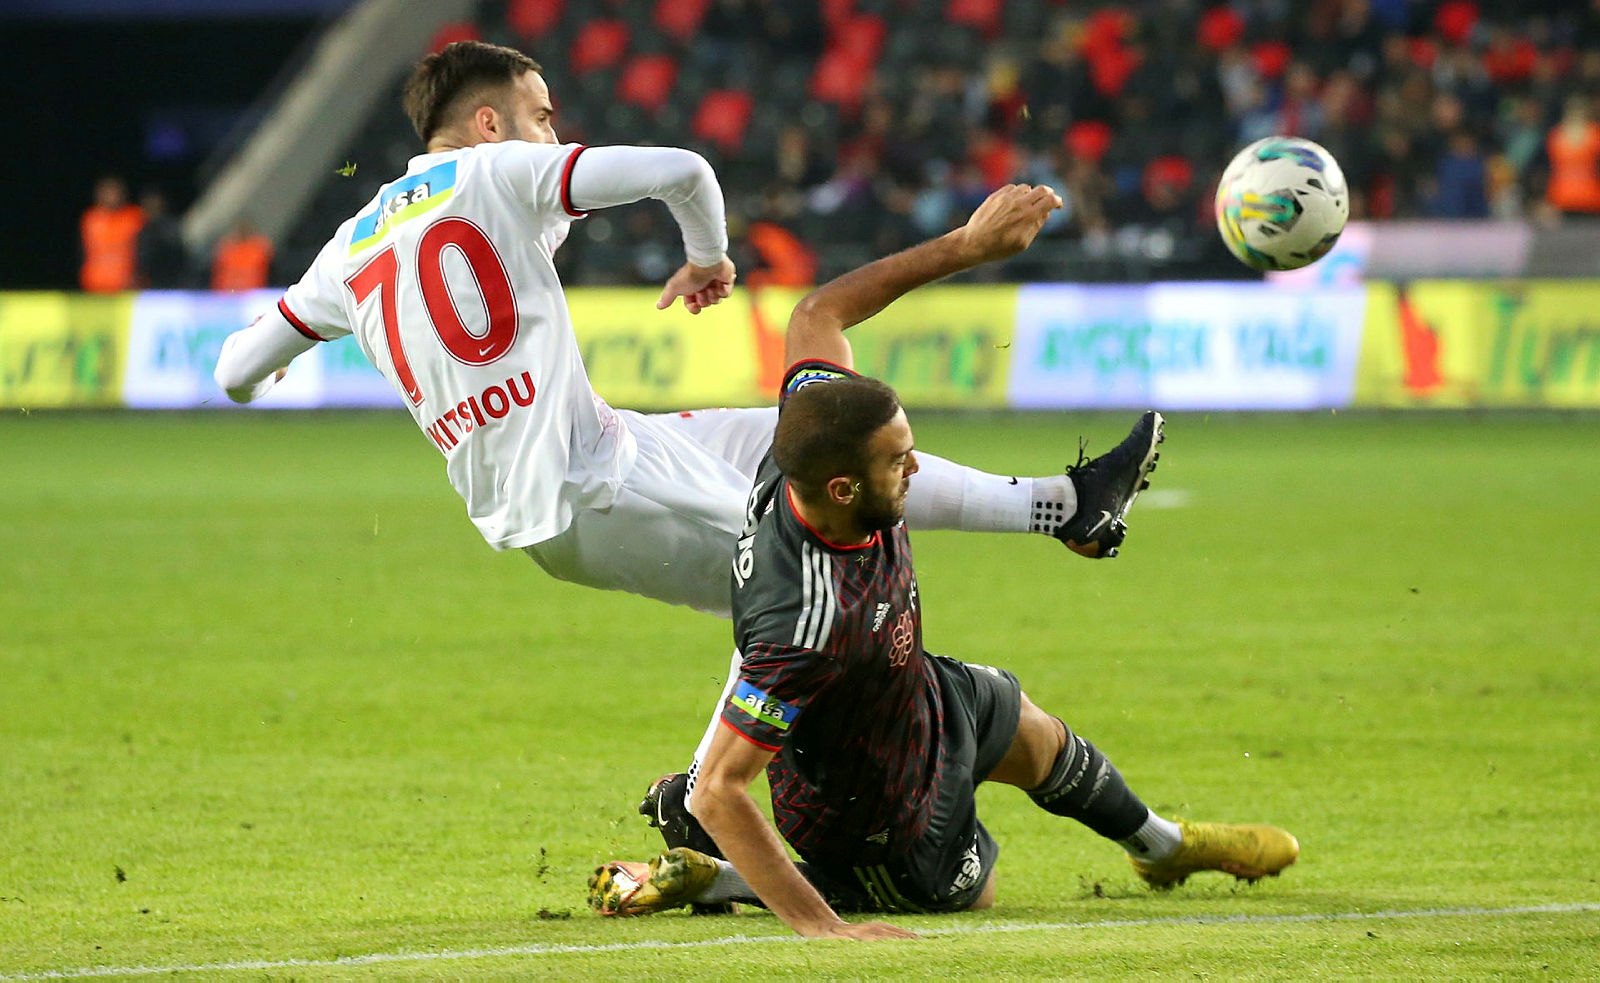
(488, 124)
(843, 490)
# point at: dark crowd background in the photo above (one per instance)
(845, 129)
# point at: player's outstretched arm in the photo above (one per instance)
(1004, 225)
(723, 805)
(254, 359)
(606, 176)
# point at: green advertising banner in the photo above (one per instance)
(1457, 343)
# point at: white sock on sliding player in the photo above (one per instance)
(728, 886)
(946, 495)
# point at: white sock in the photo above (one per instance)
(728, 886)
(947, 495)
(711, 728)
(1157, 839)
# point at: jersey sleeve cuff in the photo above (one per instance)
(765, 747)
(296, 323)
(566, 183)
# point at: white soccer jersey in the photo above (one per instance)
(447, 280)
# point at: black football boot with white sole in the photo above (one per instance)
(1107, 487)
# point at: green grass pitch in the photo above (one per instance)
(268, 702)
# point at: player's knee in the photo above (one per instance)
(1039, 740)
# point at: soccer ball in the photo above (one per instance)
(1282, 203)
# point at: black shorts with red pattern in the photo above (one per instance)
(946, 867)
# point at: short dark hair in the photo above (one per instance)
(824, 429)
(446, 78)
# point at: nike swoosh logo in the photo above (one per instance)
(1105, 517)
(484, 351)
(1013, 481)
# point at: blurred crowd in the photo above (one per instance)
(140, 246)
(860, 126)
(844, 129)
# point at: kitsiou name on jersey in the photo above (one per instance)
(760, 705)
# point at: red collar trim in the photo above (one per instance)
(788, 493)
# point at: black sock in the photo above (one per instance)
(1085, 785)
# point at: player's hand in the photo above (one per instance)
(865, 932)
(699, 286)
(1007, 221)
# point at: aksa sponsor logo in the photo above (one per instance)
(762, 706)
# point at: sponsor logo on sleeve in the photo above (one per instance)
(763, 707)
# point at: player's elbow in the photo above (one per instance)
(232, 375)
(815, 331)
(686, 174)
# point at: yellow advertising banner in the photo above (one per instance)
(939, 347)
(59, 349)
(642, 358)
(1454, 343)
(942, 347)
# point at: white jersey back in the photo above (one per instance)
(447, 280)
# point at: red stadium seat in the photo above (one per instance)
(1270, 58)
(1087, 139)
(840, 79)
(1220, 28)
(600, 44)
(1510, 60)
(1104, 31)
(533, 19)
(722, 118)
(1455, 20)
(647, 81)
(1174, 172)
(448, 34)
(984, 15)
(1110, 70)
(860, 38)
(680, 19)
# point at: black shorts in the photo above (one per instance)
(946, 868)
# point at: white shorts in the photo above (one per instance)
(670, 532)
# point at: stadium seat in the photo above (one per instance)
(600, 44)
(533, 19)
(1110, 69)
(1088, 140)
(722, 118)
(860, 38)
(840, 79)
(984, 15)
(1220, 28)
(1455, 20)
(646, 81)
(1270, 58)
(1174, 172)
(1104, 31)
(680, 19)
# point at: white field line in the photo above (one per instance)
(1165, 498)
(378, 958)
